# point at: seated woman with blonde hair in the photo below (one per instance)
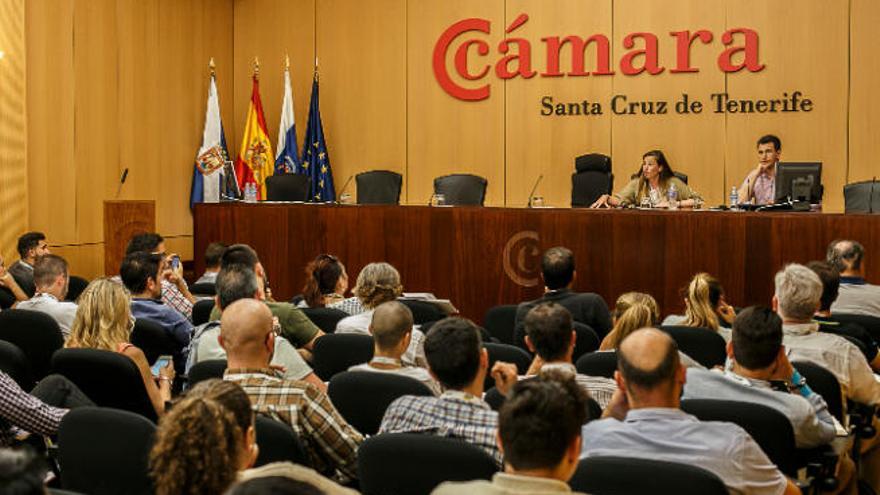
(705, 307)
(652, 184)
(632, 311)
(103, 321)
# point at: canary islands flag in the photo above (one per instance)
(287, 157)
(255, 159)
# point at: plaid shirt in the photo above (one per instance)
(24, 411)
(172, 296)
(600, 388)
(454, 414)
(329, 439)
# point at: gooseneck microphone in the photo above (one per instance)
(121, 182)
(535, 187)
(871, 196)
(344, 186)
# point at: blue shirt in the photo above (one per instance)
(671, 435)
(178, 327)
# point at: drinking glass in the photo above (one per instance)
(438, 200)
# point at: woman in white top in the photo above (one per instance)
(326, 284)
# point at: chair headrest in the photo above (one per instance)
(594, 162)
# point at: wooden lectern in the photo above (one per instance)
(122, 220)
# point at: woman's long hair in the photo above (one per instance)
(103, 316)
(638, 315)
(322, 275)
(702, 298)
(200, 442)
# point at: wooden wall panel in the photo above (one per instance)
(363, 104)
(445, 135)
(804, 49)
(864, 105)
(13, 128)
(537, 144)
(693, 144)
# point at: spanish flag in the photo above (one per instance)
(255, 161)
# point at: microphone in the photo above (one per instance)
(344, 186)
(121, 182)
(871, 196)
(531, 194)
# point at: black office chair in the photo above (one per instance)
(495, 400)
(633, 476)
(499, 322)
(862, 197)
(414, 464)
(508, 354)
(362, 396)
(325, 318)
(824, 383)
(592, 178)
(587, 340)
(105, 451)
(869, 323)
(461, 189)
(201, 313)
(288, 187)
(205, 370)
(705, 346)
(75, 287)
(36, 334)
(203, 289)
(423, 311)
(770, 428)
(601, 363)
(278, 443)
(109, 379)
(682, 177)
(378, 187)
(14, 363)
(7, 299)
(154, 341)
(335, 353)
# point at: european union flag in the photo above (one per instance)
(316, 161)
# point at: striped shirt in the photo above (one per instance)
(330, 441)
(454, 414)
(24, 411)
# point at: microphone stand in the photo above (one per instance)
(344, 186)
(531, 194)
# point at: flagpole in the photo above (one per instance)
(212, 67)
(256, 68)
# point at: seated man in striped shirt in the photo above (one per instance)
(551, 337)
(456, 359)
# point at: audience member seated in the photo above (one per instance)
(22, 472)
(175, 292)
(296, 327)
(856, 296)
(379, 283)
(458, 361)
(326, 284)
(213, 253)
(204, 440)
(551, 337)
(31, 246)
(103, 321)
(392, 329)
(237, 282)
(247, 335)
(285, 478)
(558, 272)
(142, 274)
(644, 420)
(798, 292)
(830, 279)
(539, 434)
(38, 412)
(705, 306)
(759, 367)
(629, 317)
(51, 279)
(8, 281)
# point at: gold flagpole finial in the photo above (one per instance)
(256, 68)
(316, 68)
(212, 67)
(287, 62)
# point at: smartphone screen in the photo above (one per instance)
(175, 263)
(160, 363)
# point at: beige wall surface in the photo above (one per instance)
(96, 86)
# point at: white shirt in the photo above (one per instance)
(420, 374)
(360, 324)
(64, 312)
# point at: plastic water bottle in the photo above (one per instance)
(250, 192)
(734, 198)
(672, 197)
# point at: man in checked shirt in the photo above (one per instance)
(246, 333)
(38, 412)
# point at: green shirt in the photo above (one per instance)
(636, 189)
(296, 327)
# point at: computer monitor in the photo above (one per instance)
(799, 182)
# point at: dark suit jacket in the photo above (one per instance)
(587, 308)
(24, 277)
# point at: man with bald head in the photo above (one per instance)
(645, 420)
(392, 330)
(247, 335)
(856, 295)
